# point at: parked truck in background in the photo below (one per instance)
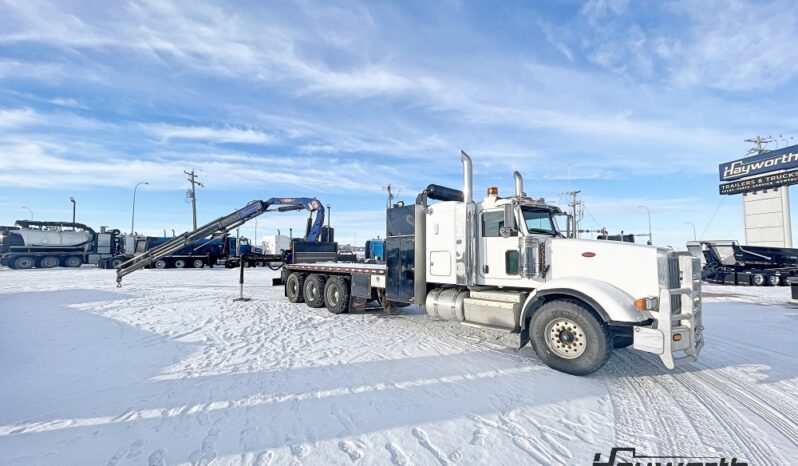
(727, 262)
(44, 244)
(503, 263)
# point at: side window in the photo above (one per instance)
(491, 222)
(511, 259)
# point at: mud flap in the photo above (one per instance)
(524, 337)
(357, 305)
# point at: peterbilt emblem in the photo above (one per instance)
(588, 254)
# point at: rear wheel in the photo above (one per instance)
(314, 290)
(23, 262)
(336, 295)
(160, 264)
(116, 263)
(774, 280)
(570, 337)
(294, 286)
(73, 261)
(198, 263)
(180, 263)
(48, 262)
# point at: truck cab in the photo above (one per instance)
(503, 262)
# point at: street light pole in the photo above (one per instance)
(74, 204)
(133, 214)
(29, 210)
(650, 237)
(691, 224)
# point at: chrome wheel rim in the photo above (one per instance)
(565, 338)
(311, 289)
(334, 296)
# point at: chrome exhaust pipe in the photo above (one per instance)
(468, 178)
(519, 184)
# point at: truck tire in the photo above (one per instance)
(198, 263)
(314, 290)
(24, 262)
(116, 263)
(160, 264)
(336, 295)
(73, 261)
(48, 262)
(180, 264)
(294, 287)
(569, 337)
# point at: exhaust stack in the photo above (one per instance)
(468, 178)
(519, 184)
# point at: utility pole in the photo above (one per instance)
(574, 204)
(192, 178)
(389, 188)
(758, 144)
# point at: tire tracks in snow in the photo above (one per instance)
(746, 437)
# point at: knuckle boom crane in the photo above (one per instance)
(223, 225)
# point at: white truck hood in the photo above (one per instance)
(632, 268)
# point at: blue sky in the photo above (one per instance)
(334, 100)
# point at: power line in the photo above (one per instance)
(712, 218)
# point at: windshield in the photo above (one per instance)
(539, 221)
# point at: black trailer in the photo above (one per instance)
(729, 263)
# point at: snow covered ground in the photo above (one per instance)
(169, 370)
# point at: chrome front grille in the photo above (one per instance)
(674, 281)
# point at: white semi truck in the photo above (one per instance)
(500, 263)
(503, 263)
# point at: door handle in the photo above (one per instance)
(485, 269)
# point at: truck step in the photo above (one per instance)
(502, 296)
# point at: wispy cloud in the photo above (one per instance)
(165, 133)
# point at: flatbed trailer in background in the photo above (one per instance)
(727, 262)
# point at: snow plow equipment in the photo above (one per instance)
(224, 225)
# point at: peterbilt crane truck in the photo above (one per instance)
(503, 263)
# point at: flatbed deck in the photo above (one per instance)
(339, 267)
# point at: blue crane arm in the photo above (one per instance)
(223, 225)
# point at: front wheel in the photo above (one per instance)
(570, 337)
(198, 263)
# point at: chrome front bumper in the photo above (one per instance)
(676, 334)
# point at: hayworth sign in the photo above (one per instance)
(766, 162)
(766, 208)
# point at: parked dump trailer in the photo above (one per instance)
(730, 263)
(46, 244)
(503, 263)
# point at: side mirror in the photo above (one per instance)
(509, 221)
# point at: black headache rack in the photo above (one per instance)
(729, 263)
